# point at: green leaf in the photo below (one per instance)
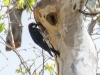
(49, 67)
(6, 2)
(56, 73)
(20, 4)
(18, 70)
(97, 10)
(26, 71)
(5, 30)
(1, 27)
(30, 4)
(88, 24)
(0, 16)
(37, 73)
(28, 9)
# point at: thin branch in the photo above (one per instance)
(93, 23)
(14, 49)
(97, 31)
(10, 10)
(98, 67)
(88, 13)
(21, 69)
(95, 34)
(5, 43)
(29, 4)
(98, 51)
(32, 65)
(91, 26)
(43, 62)
(3, 68)
(96, 28)
(3, 55)
(39, 50)
(96, 38)
(40, 65)
(89, 8)
(17, 20)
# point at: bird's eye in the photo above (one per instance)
(33, 26)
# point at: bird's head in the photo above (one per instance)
(32, 25)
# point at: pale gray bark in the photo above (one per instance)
(67, 34)
(16, 27)
(98, 74)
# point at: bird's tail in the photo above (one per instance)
(54, 51)
(50, 53)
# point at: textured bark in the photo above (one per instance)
(68, 35)
(91, 26)
(16, 27)
(98, 74)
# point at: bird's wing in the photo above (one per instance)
(36, 36)
(38, 39)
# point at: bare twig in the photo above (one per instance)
(96, 38)
(32, 65)
(3, 55)
(43, 62)
(14, 49)
(92, 24)
(96, 28)
(17, 19)
(25, 49)
(5, 43)
(99, 51)
(10, 10)
(88, 13)
(39, 50)
(95, 34)
(21, 69)
(40, 65)
(3, 68)
(29, 4)
(97, 31)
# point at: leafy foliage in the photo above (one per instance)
(20, 4)
(5, 30)
(1, 27)
(49, 67)
(19, 70)
(0, 16)
(97, 9)
(30, 5)
(6, 2)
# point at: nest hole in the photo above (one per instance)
(52, 18)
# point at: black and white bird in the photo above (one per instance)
(39, 40)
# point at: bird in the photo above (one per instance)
(39, 40)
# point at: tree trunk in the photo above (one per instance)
(68, 35)
(16, 27)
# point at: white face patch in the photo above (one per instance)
(33, 26)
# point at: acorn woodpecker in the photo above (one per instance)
(39, 40)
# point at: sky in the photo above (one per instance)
(13, 61)
(27, 43)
